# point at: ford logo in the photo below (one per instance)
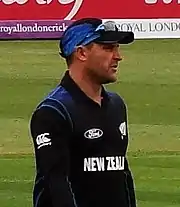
(93, 133)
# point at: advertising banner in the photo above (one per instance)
(150, 28)
(32, 29)
(26, 19)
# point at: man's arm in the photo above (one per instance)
(130, 185)
(51, 135)
(128, 174)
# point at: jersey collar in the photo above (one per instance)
(69, 84)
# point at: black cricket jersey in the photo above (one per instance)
(80, 150)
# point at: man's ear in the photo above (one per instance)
(81, 53)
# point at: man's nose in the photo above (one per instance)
(117, 55)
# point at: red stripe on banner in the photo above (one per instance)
(75, 9)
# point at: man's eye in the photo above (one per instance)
(108, 47)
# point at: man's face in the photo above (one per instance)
(102, 62)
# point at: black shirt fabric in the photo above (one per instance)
(80, 150)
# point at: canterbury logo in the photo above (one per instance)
(43, 140)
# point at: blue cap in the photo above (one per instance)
(85, 32)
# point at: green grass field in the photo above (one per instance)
(149, 81)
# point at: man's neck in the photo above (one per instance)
(88, 86)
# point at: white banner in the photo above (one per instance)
(150, 28)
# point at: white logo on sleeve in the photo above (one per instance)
(93, 133)
(43, 140)
(122, 129)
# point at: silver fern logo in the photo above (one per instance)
(122, 129)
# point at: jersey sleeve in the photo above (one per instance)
(128, 174)
(51, 137)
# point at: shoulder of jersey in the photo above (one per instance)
(115, 97)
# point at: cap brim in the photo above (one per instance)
(120, 37)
